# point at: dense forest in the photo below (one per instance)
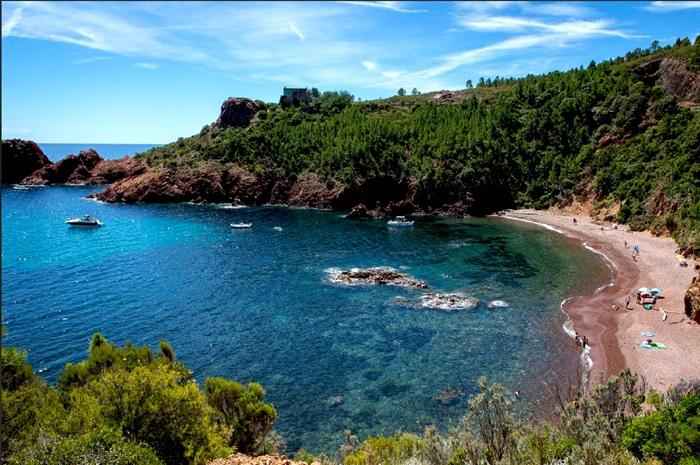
(611, 135)
(127, 406)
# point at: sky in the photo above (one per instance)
(150, 72)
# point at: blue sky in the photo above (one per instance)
(139, 72)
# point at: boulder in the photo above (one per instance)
(20, 158)
(692, 301)
(237, 112)
(359, 212)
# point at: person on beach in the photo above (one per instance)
(574, 220)
(577, 339)
(627, 303)
(585, 341)
(634, 257)
(626, 245)
(635, 249)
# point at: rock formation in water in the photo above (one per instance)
(24, 162)
(87, 167)
(448, 302)
(376, 276)
(20, 158)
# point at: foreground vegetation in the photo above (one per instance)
(125, 406)
(609, 133)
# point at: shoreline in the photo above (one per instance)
(615, 335)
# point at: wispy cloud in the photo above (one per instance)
(10, 21)
(369, 65)
(572, 28)
(555, 9)
(90, 60)
(671, 6)
(146, 65)
(393, 6)
(296, 31)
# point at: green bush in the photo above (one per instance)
(671, 434)
(242, 410)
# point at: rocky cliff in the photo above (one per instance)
(20, 158)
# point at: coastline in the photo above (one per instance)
(615, 335)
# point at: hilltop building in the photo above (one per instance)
(294, 96)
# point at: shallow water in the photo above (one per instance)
(258, 305)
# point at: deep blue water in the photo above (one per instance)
(257, 304)
(56, 152)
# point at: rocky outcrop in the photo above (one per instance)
(692, 301)
(679, 81)
(87, 167)
(237, 112)
(375, 276)
(20, 158)
(672, 74)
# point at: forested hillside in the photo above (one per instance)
(622, 137)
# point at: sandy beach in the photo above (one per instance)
(615, 335)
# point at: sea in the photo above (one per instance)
(260, 305)
(56, 152)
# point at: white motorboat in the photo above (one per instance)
(19, 187)
(400, 221)
(241, 225)
(86, 220)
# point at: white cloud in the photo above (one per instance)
(392, 74)
(10, 21)
(671, 6)
(393, 6)
(296, 31)
(91, 60)
(145, 65)
(369, 65)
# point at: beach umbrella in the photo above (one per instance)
(656, 291)
(644, 290)
(680, 257)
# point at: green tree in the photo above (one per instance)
(401, 92)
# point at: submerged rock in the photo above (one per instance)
(377, 276)
(498, 304)
(448, 396)
(449, 302)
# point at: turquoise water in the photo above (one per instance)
(56, 152)
(257, 304)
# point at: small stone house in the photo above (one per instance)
(294, 96)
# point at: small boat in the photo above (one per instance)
(86, 220)
(400, 221)
(277, 228)
(241, 225)
(19, 187)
